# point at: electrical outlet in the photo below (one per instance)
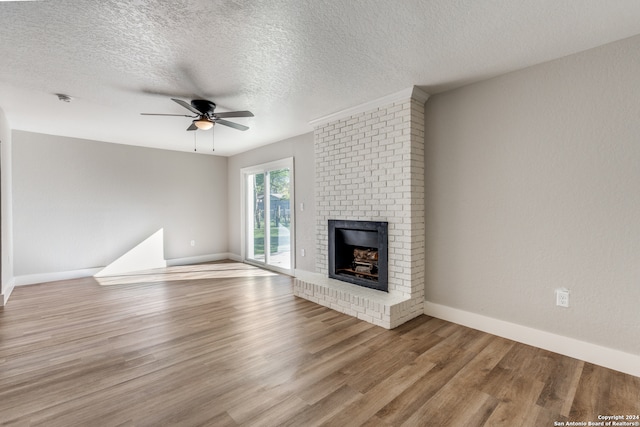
(562, 297)
(303, 252)
(193, 243)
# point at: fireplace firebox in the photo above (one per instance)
(358, 253)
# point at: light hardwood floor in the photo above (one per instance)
(226, 344)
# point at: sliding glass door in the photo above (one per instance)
(268, 215)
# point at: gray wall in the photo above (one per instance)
(301, 149)
(532, 183)
(81, 204)
(6, 214)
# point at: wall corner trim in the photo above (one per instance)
(571, 347)
(7, 289)
(413, 92)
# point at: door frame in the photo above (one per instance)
(287, 162)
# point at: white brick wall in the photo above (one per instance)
(370, 167)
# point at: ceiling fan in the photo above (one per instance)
(204, 116)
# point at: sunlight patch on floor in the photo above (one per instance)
(186, 272)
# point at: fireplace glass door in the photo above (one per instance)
(268, 215)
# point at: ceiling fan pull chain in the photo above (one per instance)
(194, 141)
(213, 141)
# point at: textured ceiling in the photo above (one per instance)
(288, 61)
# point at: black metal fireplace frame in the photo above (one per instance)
(381, 244)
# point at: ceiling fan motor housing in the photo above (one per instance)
(204, 106)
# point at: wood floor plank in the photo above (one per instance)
(625, 392)
(323, 409)
(559, 385)
(319, 389)
(418, 393)
(593, 394)
(368, 403)
(227, 344)
(517, 402)
(451, 406)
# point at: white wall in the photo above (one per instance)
(81, 204)
(301, 149)
(532, 183)
(6, 214)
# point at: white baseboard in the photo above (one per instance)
(32, 279)
(592, 353)
(201, 258)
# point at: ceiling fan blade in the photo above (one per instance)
(232, 125)
(192, 127)
(186, 105)
(234, 114)
(160, 114)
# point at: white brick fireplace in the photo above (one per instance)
(369, 163)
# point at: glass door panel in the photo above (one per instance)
(256, 227)
(279, 214)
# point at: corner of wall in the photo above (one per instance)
(6, 209)
(7, 288)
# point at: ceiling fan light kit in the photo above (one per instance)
(205, 116)
(203, 123)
